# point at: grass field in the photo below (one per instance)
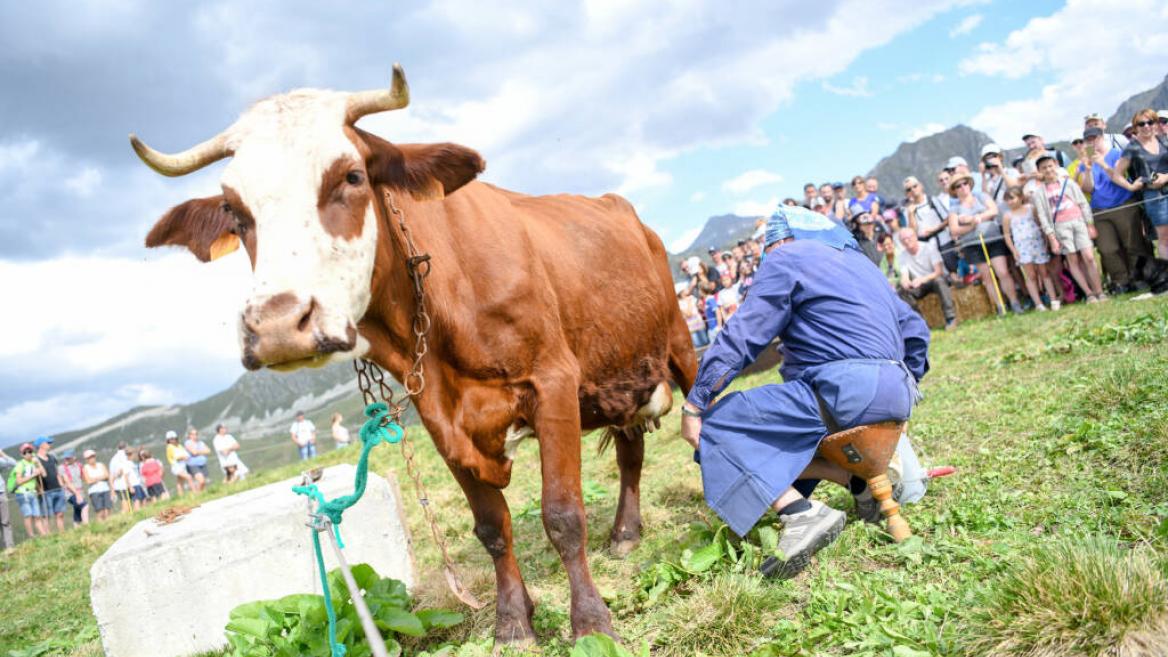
(1052, 538)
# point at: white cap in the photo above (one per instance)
(171, 434)
(955, 162)
(1162, 113)
(990, 148)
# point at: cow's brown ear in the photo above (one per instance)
(427, 171)
(203, 225)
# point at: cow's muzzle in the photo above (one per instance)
(286, 332)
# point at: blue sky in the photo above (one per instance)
(687, 108)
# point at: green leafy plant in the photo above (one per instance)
(601, 645)
(297, 624)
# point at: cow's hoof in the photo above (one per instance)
(622, 548)
(516, 647)
(592, 617)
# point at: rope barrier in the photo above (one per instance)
(328, 516)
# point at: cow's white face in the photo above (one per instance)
(299, 195)
(298, 183)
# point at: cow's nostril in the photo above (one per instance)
(306, 319)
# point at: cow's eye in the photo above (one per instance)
(354, 178)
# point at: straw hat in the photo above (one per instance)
(957, 179)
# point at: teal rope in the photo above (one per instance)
(377, 429)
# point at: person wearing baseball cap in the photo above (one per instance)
(53, 495)
(957, 165)
(26, 480)
(177, 457)
(1119, 226)
(996, 177)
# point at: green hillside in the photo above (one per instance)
(1051, 539)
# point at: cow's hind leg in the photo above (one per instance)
(557, 424)
(513, 606)
(630, 452)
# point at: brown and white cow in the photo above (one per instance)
(551, 315)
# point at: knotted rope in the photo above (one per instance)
(377, 429)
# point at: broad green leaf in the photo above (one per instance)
(703, 559)
(250, 626)
(439, 618)
(399, 620)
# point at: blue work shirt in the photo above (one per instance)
(1107, 194)
(825, 305)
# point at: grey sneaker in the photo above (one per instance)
(867, 508)
(804, 534)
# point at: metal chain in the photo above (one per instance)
(369, 374)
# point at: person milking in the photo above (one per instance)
(853, 353)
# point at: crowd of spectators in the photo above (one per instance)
(1025, 230)
(47, 485)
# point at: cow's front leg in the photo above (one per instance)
(558, 426)
(513, 606)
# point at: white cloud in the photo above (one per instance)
(748, 180)
(756, 208)
(67, 411)
(697, 197)
(85, 182)
(912, 78)
(967, 25)
(1123, 60)
(94, 315)
(684, 240)
(858, 88)
(924, 131)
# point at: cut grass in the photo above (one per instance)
(1068, 440)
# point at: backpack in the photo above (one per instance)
(12, 481)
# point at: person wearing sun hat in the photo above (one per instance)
(973, 222)
(852, 355)
(96, 477)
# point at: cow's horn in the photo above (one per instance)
(380, 100)
(179, 164)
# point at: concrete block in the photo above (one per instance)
(166, 590)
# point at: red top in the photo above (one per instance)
(151, 472)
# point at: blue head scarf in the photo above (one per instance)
(802, 224)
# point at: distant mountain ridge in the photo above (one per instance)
(261, 403)
(1156, 97)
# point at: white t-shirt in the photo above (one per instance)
(303, 431)
(922, 264)
(728, 298)
(221, 443)
(119, 467)
(340, 434)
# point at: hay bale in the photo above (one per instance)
(971, 303)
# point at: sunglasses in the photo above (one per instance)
(964, 183)
(1145, 124)
(909, 188)
(1163, 121)
(26, 451)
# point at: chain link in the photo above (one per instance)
(369, 374)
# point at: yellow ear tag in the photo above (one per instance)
(224, 244)
(434, 191)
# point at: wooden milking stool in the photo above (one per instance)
(865, 451)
